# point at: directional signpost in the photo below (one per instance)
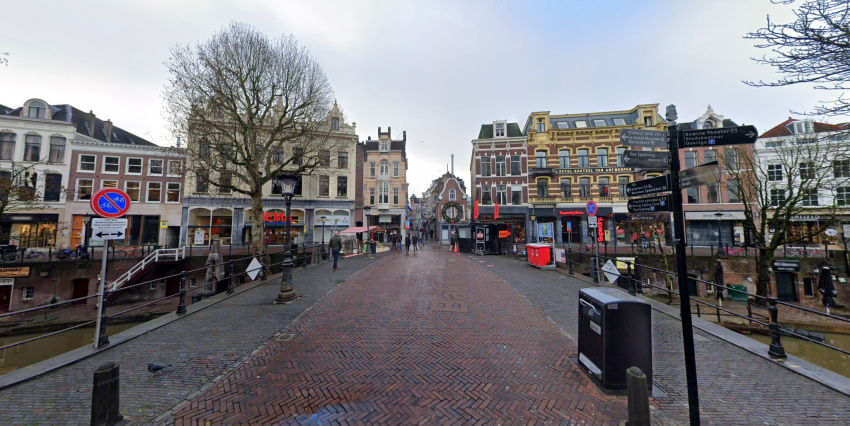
(647, 160)
(722, 136)
(108, 229)
(650, 204)
(706, 174)
(644, 138)
(648, 186)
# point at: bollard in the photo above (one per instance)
(776, 350)
(631, 278)
(181, 306)
(105, 401)
(230, 283)
(638, 397)
(570, 257)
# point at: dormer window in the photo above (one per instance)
(37, 109)
(708, 124)
(334, 123)
(802, 127)
(499, 130)
(385, 145)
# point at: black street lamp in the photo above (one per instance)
(288, 182)
(322, 220)
(719, 216)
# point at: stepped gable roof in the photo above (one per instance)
(781, 129)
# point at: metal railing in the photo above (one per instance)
(160, 255)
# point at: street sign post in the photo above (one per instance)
(644, 138)
(647, 160)
(611, 271)
(649, 204)
(108, 229)
(721, 136)
(590, 208)
(110, 202)
(705, 174)
(648, 186)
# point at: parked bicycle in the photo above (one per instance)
(8, 253)
(127, 252)
(81, 252)
(736, 251)
(805, 252)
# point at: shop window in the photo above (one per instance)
(27, 293)
(52, 187)
(57, 149)
(134, 166)
(111, 164)
(342, 186)
(84, 189)
(175, 168)
(324, 186)
(32, 148)
(108, 183)
(154, 167)
(133, 190)
(342, 160)
(154, 192)
(7, 146)
(172, 192)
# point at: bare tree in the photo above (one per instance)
(800, 175)
(4, 61)
(811, 49)
(252, 108)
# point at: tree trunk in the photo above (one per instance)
(258, 230)
(763, 261)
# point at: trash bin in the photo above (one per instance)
(740, 294)
(614, 333)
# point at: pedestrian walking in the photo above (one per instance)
(336, 245)
(407, 243)
(415, 242)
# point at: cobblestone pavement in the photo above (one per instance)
(426, 337)
(200, 347)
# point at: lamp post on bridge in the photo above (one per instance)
(288, 182)
(719, 216)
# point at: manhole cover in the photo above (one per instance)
(285, 337)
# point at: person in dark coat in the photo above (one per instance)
(336, 246)
(407, 243)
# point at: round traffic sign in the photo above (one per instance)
(591, 208)
(110, 202)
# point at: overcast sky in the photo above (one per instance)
(438, 70)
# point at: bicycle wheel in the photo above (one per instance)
(9, 257)
(119, 254)
(36, 255)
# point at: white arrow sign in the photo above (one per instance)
(254, 268)
(108, 229)
(611, 271)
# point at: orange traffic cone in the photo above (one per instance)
(455, 247)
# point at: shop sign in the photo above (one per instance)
(571, 212)
(19, 271)
(786, 265)
(199, 236)
(504, 234)
(163, 224)
(275, 217)
(584, 170)
(600, 230)
(805, 218)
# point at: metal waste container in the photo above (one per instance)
(614, 333)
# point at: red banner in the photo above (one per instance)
(475, 210)
(496, 211)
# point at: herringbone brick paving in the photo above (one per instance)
(374, 351)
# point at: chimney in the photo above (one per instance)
(404, 135)
(453, 164)
(107, 128)
(390, 133)
(178, 141)
(379, 132)
(90, 122)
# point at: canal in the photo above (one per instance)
(40, 350)
(814, 353)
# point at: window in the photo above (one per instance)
(777, 196)
(111, 164)
(225, 180)
(580, 124)
(342, 186)
(499, 129)
(202, 181)
(713, 193)
(619, 122)
(583, 159)
(258, 150)
(485, 166)
(154, 167)
(52, 187)
(709, 156)
(108, 183)
(841, 168)
(452, 195)
(542, 188)
(620, 152)
(647, 121)
(36, 110)
(134, 166)
(622, 182)
(342, 160)
(602, 157)
(298, 185)
(516, 195)
(604, 187)
(7, 146)
(732, 191)
(172, 192)
(27, 293)
(134, 190)
(395, 196)
(707, 125)
(501, 194)
(279, 156)
(395, 168)
(516, 168)
(384, 193)
(372, 169)
(84, 189)
(564, 159)
(32, 148)
(154, 192)
(806, 171)
(334, 123)
(541, 159)
(773, 144)
(842, 196)
(385, 146)
(324, 186)
(501, 169)
(297, 156)
(219, 112)
(175, 168)
(810, 198)
(566, 187)
(324, 158)
(690, 159)
(693, 195)
(599, 123)
(371, 195)
(57, 149)
(730, 156)
(277, 188)
(485, 195)
(774, 172)
(203, 151)
(584, 187)
(384, 168)
(541, 127)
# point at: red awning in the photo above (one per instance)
(357, 229)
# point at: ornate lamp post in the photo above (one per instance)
(322, 220)
(287, 181)
(719, 216)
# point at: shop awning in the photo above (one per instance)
(358, 229)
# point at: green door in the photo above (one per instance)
(785, 290)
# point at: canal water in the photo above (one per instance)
(40, 350)
(814, 353)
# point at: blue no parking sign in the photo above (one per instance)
(110, 202)
(591, 208)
